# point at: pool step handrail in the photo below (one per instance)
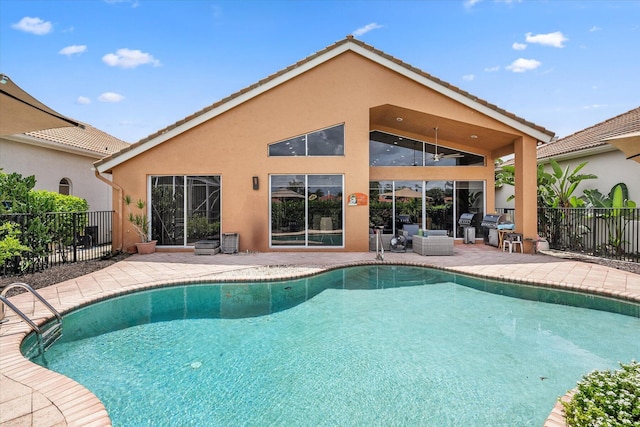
(50, 332)
(379, 245)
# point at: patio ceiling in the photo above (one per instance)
(420, 125)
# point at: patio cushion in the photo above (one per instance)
(410, 230)
(430, 233)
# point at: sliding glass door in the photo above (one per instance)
(433, 205)
(185, 209)
(306, 210)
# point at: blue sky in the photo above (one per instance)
(133, 67)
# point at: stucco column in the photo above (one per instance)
(526, 214)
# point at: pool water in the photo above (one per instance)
(370, 346)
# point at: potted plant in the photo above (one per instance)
(140, 222)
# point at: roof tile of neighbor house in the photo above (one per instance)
(593, 136)
(348, 39)
(84, 137)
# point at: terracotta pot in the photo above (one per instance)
(146, 247)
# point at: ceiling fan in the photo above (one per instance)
(437, 156)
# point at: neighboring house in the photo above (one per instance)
(300, 160)
(62, 160)
(604, 160)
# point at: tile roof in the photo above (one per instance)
(593, 136)
(348, 39)
(84, 137)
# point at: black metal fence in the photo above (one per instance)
(612, 233)
(58, 238)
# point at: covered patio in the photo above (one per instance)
(436, 167)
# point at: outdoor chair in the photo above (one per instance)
(435, 242)
(410, 230)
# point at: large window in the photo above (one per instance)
(185, 209)
(307, 210)
(325, 142)
(433, 205)
(386, 149)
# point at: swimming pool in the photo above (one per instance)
(374, 345)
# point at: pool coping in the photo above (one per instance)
(58, 400)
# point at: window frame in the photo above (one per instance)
(307, 230)
(305, 141)
(186, 192)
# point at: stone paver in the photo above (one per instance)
(33, 396)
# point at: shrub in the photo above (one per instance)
(10, 245)
(606, 398)
(140, 221)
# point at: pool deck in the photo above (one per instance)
(33, 396)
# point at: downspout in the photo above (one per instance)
(120, 203)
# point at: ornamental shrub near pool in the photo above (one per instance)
(606, 398)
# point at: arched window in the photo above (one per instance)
(64, 187)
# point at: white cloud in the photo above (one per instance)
(470, 3)
(363, 30)
(594, 28)
(521, 65)
(34, 26)
(594, 106)
(134, 3)
(492, 69)
(110, 97)
(83, 100)
(519, 46)
(552, 39)
(73, 49)
(127, 58)
(468, 77)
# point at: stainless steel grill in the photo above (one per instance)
(468, 228)
(492, 220)
(466, 219)
(490, 225)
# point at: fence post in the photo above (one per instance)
(594, 215)
(75, 240)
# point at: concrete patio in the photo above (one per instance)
(33, 396)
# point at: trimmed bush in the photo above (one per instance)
(606, 398)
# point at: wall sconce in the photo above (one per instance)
(256, 183)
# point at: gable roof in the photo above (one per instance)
(310, 62)
(84, 139)
(593, 137)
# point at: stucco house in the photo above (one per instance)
(62, 160)
(316, 155)
(591, 145)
